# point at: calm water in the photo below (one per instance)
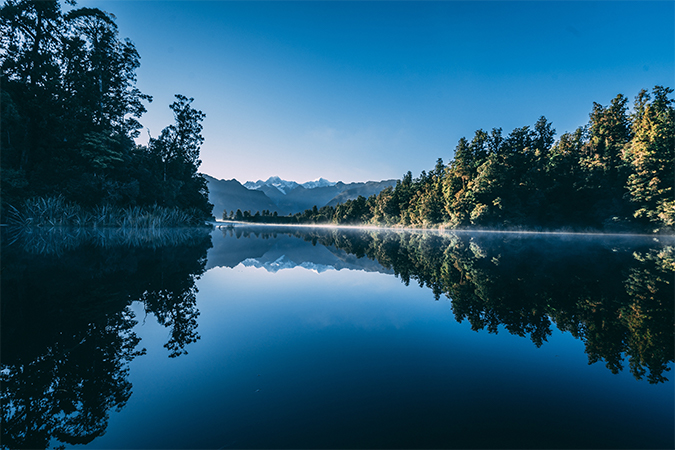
(260, 337)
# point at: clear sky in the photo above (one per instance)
(357, 91)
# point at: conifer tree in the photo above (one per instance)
(651, 155)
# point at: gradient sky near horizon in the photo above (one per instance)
(357, 91)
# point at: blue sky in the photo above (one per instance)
(357, 91)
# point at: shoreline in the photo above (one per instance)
(440, 230)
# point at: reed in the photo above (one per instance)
(59, 240)
(49, 212)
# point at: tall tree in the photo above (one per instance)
(177, 150)
(30, 33)
(651, 155)
(100, 74)
(70, 107)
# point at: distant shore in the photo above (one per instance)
(437, 230)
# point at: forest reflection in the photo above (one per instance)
(615, 293)
(67, 324)
(67, 334)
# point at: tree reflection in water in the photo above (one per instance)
(613, 293)
(67, 326)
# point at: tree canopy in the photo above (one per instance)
(613, 174)
(71, 110)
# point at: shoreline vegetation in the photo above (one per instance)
(54, 212)
(616, 174)
(63, 239)
(53, 225)
(70, 114)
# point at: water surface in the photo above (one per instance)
(259, 337)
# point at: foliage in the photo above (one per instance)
(70, 110)
(614, 174)
(50, 212)
(651, 157)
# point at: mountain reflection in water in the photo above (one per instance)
(68, 327)
(613, 292)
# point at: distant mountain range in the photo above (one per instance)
(285, 197)
(287, 186)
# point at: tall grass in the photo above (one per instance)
(57, 212)
(53, 225)
(58, 240)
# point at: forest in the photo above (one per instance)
(615, 173)
(70, 113)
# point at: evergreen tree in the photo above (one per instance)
(651, 155)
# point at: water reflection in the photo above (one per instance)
(283, 248)
(615, 293)
(67, 325)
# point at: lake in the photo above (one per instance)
(301, 337)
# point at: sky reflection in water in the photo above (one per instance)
(354, 358)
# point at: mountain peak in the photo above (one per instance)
(282, 185)
(285, 186)
(321, 182)
(276, 194)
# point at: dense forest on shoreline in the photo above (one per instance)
(70, 110)
(614, 174)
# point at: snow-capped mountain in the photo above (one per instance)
(285, 197)
(282, 185)
(321, 182)
(286, 186)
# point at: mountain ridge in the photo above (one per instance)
(283, 196)
(285, 186)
